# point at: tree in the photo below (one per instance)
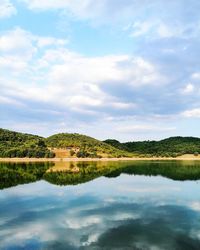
(72, 153)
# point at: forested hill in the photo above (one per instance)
(87, 146)
(173, 146)
(14, 144)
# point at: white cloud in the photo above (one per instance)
(165, 31)
(84, 75)
(193, 113)
(79, 100)
(123, 105)
(144, 128)
(13, 63)
(20, 235)
(148, 189)
(79, 79)
(163, 53)
(156, 28)
(9, 101)
(17, 42)
(195, 206)
(49, 41)
(43, 70)
(41, 73)
(104, 11)
(46, 4)
(84, 9)
(77, 223)
(18, 48)
(7, 9)
(196, 76)
(23, 43)
(162, 21)
(188, 89)
(140, 28)
(78, 68)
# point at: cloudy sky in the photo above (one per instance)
(124, 69)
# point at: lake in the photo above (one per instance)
(111, 205)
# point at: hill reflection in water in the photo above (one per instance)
(126, 212)
(72, 173)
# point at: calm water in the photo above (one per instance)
(133, 211)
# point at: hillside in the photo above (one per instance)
(64, 145)
(84, 146)
(14, 144)
(173, 146)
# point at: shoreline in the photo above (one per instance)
(180, 158)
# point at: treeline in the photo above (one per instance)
(14, 144)
(171, 147)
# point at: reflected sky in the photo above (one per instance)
(127, 212)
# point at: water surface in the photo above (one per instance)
(130, 208)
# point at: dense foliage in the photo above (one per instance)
(14, 144)
(174, 146)
(171, 169)
(88, 146)
(89, 171)
(12, 174)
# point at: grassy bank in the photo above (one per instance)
(183, 157)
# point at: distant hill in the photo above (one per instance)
(14, 144)
(84, 146)
(173, 146)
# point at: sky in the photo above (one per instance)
(123, 69)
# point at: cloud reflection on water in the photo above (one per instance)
(102, 214)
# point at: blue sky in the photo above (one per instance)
(124, 69)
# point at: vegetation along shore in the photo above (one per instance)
(15, 146)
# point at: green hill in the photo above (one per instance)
(173, 146)
(14, 144)
(87, 146)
